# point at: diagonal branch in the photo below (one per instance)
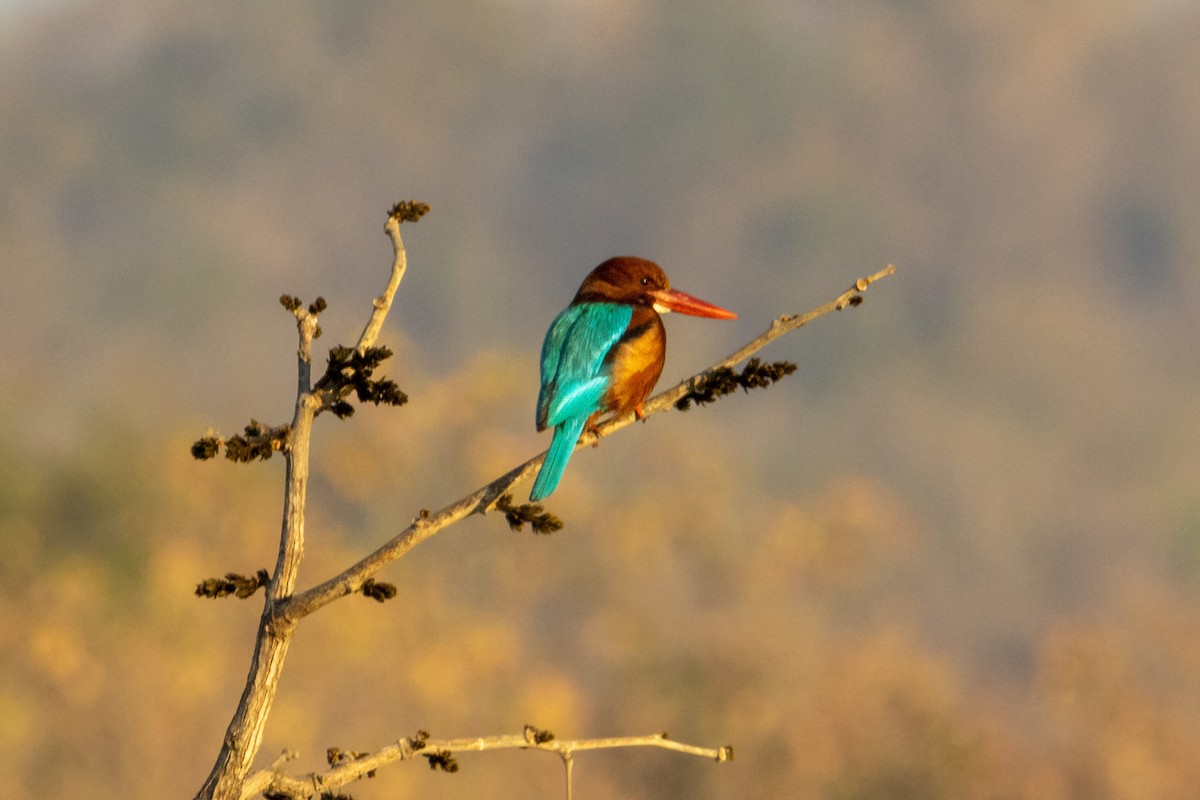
(482, 500)
(440, 751)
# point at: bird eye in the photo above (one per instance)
(645, 281)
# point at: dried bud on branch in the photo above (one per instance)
(408, 211)
(233, 583)
(378, 590)
(541, 521)
(724, 380)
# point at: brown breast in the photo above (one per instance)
(636, 362)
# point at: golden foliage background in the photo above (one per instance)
(955, 556)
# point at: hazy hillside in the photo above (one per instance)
(955, 556)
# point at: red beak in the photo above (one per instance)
(675, 300)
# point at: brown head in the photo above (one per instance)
(638, 282)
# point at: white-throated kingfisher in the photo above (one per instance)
(604, 354)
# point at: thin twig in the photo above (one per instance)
(785, 324)
(244, 734)
(273, 780)
(383, 303)
(483, 499)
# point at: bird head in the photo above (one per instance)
(638, 282)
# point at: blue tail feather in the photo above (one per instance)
(566, 436)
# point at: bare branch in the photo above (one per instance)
(351, 770)
(282, 609)
(401, 212)
(243, 737)
(244, 734)
(484, 499)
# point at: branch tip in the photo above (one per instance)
(287, 755)
(408, 211)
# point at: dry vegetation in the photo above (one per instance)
(954, 556)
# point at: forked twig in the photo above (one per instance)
(441, 752)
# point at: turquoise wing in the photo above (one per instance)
(573, 377)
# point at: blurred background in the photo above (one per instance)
(955, 556)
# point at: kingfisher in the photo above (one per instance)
(604, 353)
